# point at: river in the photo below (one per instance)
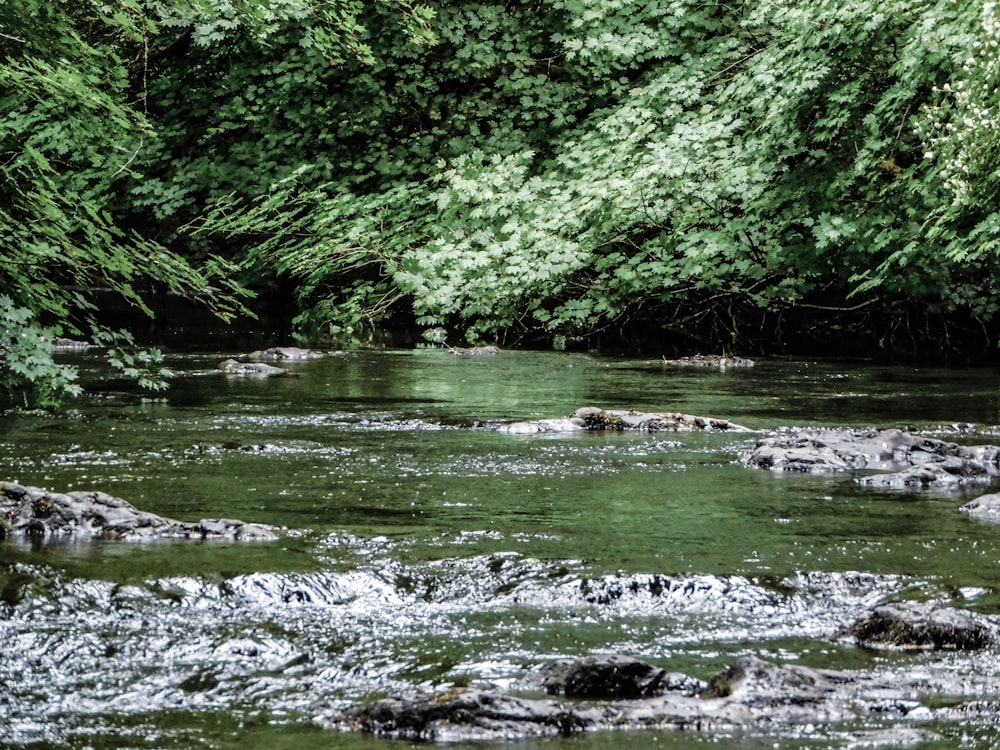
(425, 549)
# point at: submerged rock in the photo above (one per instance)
(949, 473)
(757, 684)
(462, 715)
(921, 626)
(568, 424)
(906, 460)
(893, 738)
(36, 512)
(250, 369)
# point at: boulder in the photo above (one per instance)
(277, 353)
(36, 512)
(462, 715)
(250, 369)
(904, 460)
(921, 626)
(475, 351)
(617, 420)
(984, 507)
(594, 418)
(568, 424)
(947, 474)
(709, 360)
(892, 738)
(758, 684)
(610, 677)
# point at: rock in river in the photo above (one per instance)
(277, 353)
(617, 420)
(671, 421)
(921, 626)
(70, 345)
(904, 460)
(250, 369)
(614, 677)
(710, 360)
(984, 507)
(36, 512)
(475, 351)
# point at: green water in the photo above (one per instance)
(388, 466)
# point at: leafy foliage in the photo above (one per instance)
(29, 376)
(567, 165)
(145, 366)
(70, 131)
(543, 168)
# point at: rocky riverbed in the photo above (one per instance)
(609, 692)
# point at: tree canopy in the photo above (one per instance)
(565, 166)
(518, 170)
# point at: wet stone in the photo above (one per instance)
(279, 353)
(618, 420)
(37, 512)
(922, 626)
(475, 351)
(710, 360)
(70, 345)
(949, 473)
(755, 682)
(894, 737)
(460, 714)
(228, 528)
(613, 677)
(751, 693)
(985, 507)
(903, 460)
(250, 369)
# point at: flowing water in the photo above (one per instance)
(425, 549)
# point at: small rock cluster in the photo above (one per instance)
(921, 626)
(902, 460)
(36, 512)
(619, 420)
(256, 368)
(709, 360)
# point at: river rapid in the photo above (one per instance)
(424, 549)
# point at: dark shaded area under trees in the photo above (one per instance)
(781, 177)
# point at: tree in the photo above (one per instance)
(540, 168)
(564, 166)
(960, 129)
(72, 124)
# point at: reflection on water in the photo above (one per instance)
(425, 548)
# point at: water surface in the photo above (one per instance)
(425, 549)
